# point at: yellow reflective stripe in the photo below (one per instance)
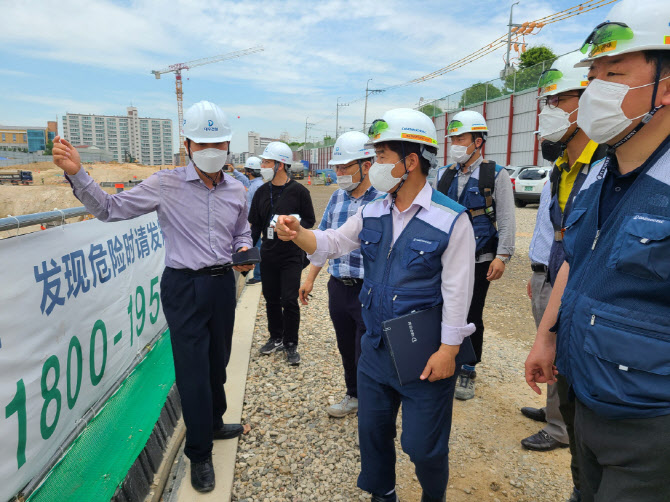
(419, 137)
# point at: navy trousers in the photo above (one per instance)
(345, 312)
(200, 311)
(426, 424)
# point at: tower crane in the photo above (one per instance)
(177, 69)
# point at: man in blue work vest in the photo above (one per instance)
(418, 252)
(352, 158)
(613, 327)
(484, 188)
(572, 152)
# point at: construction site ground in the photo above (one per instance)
(487, 461)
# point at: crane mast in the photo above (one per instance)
(177, 69)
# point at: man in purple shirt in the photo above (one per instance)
(203, 215)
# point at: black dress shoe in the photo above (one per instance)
(536, 414)
(392, 497)
(575, 496)
(426, 498)
(542, 442)
(202, 475)
(228, 431)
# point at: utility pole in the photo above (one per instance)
(307, 124)
(365, 112)
(508, 66)
(337, 118)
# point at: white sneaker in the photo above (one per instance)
(343, 408)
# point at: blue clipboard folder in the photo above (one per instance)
(413, 338)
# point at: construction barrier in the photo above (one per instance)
(79, 305)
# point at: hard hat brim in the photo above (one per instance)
(215, 139)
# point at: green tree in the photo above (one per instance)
(49, 148)
(295, 144)
(479, 92)
(431, 110)
(530, 68)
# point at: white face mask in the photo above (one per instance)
(210, 160)
(267, 173)
(460, 153)
(554, 123)
(600, 115)
(381, 177)
(346, 183)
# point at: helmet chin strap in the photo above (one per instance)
(647, 117)
(394, 195)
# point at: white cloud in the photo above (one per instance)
(314, 51)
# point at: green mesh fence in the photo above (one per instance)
(99, 459)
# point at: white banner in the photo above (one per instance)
(77, 303)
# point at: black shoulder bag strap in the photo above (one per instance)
(487, 181)
(446, 179)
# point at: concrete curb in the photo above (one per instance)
(225, 452)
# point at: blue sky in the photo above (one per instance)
(96, 56)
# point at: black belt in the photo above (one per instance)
(213, 271)
(348, 281)
(538, 267)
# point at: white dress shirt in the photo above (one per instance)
(458, 260)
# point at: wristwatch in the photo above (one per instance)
(504, 259)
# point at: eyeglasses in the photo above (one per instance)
(605, 37)
(377, 127)
(341, 168)
(553, 101)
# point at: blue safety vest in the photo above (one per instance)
(406, 275)
(486, 232)
(614, 323)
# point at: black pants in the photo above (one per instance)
(476, 313)
(345, 312)
(567, 409)
(281, 282)
(200, 311)
(623, 460)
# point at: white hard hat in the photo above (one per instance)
(253, 163)
(562, 76)
(352, 145)
(632, 26)
(467, 121)
(278, 151)
(404, 124)
(205, 122)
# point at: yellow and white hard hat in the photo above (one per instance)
(563, 76)
(467, 121)
(632, 26)
(404, 124)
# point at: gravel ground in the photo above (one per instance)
(296, 452)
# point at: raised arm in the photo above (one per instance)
(142, 199)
